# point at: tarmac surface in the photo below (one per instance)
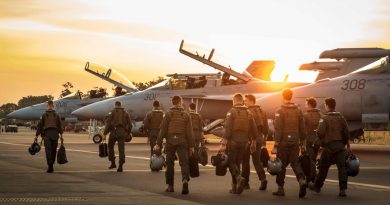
(86, 179)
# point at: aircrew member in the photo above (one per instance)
(260, 118)
(197, 127)
(176, 128)
(334, 136)
(152, 124)
(240, 129)
(312, 119)
(50, 129)
(289, 136)
(119, 126)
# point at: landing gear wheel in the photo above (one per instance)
(97, 139)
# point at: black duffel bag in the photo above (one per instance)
(194, 166)
(103, 152)
(61, 155)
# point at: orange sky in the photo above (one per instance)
(44, 43)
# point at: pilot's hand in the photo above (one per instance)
(222, 148)
(156, 148)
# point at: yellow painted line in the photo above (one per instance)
(365, 185)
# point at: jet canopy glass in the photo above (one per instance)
(109, 74)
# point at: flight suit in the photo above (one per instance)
(240, 128)
(197, 127)
(289, 133)
(176, 128)
(119, 126)
(334, 135)
(152, 124)
(50, 128)
(260, 118)
(312, 119)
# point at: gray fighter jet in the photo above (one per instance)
(364, 92)
(215, 88)
(64, 106)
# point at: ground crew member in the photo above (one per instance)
(176, 128)
(260, 118)
(119, 126)
(152, 124)
(197, 126)
(334, 136)
(50, 129)
(312, 119)
(240, 129)
(289, 136)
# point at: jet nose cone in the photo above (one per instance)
(93, 111)
(25, 114)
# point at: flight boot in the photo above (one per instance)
(342, 193)
(279, 192)
(112, 166)
(233, 190)
(50, 169)
(169, 188)
(263, 185)
(120, 168)
(241, 181)
(185, 190)
(302, 188)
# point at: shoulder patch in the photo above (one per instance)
(277, 115)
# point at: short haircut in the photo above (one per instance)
(192, 106)
(312, 102)
(118, 103)
(287, 94)
(331, 103)
(156, 103)
(251, 98)
(176, 100)
(238, 98)
(50, 102)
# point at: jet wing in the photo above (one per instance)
(110, 75)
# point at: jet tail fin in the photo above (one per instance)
(261, 69)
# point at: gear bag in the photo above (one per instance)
(194, 166)
(61, 155)
(103, 150)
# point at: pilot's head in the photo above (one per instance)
(118, 104)
(177, 100)
(311, 103)
(50, 104)
(192, 107)
(250, 100)
(330, 104)
(238, 99)
(156, 104)
(287, 94)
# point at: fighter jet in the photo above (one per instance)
(341, 61)
(365, 91)
(217, 89)
(64, 106)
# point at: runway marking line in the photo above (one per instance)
(373, 186)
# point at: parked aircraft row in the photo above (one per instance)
(358, 91)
